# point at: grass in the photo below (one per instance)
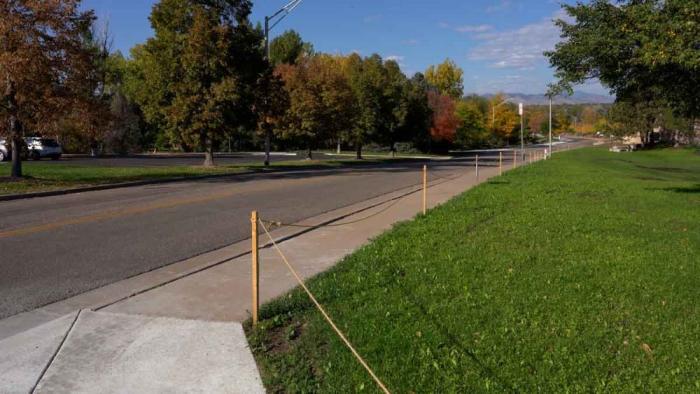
(40, 177)
(577, 274)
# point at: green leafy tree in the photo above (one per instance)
(288, 47)
(645, 51)
(395, 105)
(447, 78)
(416, 127)
(200, 70)
(321, 105)
(366, 77)
(473, 130)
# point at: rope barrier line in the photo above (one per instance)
(323, 312)
(392, 204)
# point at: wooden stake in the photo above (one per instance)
(500, 163)
(476, 163)
(425, 189)
(255, 271)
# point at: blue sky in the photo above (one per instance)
(498, 43)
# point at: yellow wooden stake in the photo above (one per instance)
(500, 163)
(425, 189)
(476, 164)
(255, 267)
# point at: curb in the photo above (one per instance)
(62, 192)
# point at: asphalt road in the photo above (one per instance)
(52, 248)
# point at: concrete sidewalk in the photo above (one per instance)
(177, 329)
(88, 352)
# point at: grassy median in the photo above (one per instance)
(576, 274)
(41, 177)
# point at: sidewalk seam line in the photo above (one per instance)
(58, 349)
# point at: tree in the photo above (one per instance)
(643, 50)
(504, 119)
(200, 70)
(366, 77)
(126, 130)
(445, 121)
(394, 105)
(321, 101)
(472, 131)
(416, 127)
(288, 47)
(447, 78)
(43, 64)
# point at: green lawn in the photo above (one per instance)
(42, 177)
(576, 274)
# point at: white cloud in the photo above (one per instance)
(521, 48)
(372, 18)
(396, 58)
(502, 5)
(474, 28)
(444, 25)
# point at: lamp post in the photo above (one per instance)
(493, 110)
(270, 23)
(550, 124)
(522, 130)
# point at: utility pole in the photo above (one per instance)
(270, 23)
(550, 125)
(522, 129)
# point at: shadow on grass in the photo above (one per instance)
(435, 320)
(445, 332)
(687, 190)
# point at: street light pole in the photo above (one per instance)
(270, 23)
(493, 110)
(522, 130)
(550, 125)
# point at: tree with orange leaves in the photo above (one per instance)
(43, 64)
(445, 121)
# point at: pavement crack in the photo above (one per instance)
(58, 349)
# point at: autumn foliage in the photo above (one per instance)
(445, 121)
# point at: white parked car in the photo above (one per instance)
(38, 148)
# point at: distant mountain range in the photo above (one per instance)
(540, 99)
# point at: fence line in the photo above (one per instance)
(324, 313)
(255, 220)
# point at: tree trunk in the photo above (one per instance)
(338, 150)
(309, 154)
(268, 138)
(16, 151)
(15, 130)
(209, 154)
(358, 152)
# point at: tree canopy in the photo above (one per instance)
(288, 47)
(643, 50)
(46, 68)
(447, 78)
(200, 70)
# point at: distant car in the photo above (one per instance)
(4, 150)
(38, 148)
